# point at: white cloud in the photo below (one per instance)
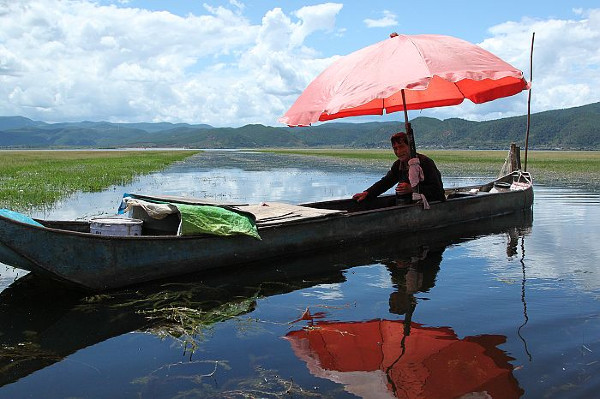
(76, 60)
(566, 59)
(315, 18)
(237, 4)
(566, 65)
(388, 19)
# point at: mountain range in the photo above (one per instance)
(570, 129)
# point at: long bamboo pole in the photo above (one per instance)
(529, 101)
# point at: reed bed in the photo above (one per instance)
(29, 179)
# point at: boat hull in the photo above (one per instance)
(103, 262)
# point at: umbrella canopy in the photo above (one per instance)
(428, 70)
(385, 359)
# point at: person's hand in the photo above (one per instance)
(403, 188)
(360, 196)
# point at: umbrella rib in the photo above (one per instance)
(458, 88)
(420, 53)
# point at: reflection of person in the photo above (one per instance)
(430, 186)
(412, 275)
(513, 242)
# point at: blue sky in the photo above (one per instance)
(231, 63)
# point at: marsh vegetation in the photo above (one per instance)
(33, 178)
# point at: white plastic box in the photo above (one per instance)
(116, 226)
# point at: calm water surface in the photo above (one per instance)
(503, 309)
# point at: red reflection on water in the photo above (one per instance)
(385, 358)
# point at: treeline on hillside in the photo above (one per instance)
(573, 129)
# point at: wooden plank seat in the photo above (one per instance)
(269, 213)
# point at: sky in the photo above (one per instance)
(235, 62)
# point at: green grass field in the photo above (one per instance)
(30, 179)
(548, 167)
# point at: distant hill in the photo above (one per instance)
(574, 128)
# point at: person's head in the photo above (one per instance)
(400, 146)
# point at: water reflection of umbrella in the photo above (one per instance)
(405, 72)
(386, 359)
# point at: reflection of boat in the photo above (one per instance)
(42, 323)
(391, 358)
(67, 251)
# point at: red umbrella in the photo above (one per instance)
(385, 359)
(402, 73)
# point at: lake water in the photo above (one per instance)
(503, 309)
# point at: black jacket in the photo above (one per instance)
(431, 186)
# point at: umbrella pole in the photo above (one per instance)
(409, 131)
(529, 102)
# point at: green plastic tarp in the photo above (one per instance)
(196, 219)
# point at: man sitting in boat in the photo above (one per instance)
(431, 179)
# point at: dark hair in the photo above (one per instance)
(399, 138)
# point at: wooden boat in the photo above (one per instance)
(69, 252)
(36, 313)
